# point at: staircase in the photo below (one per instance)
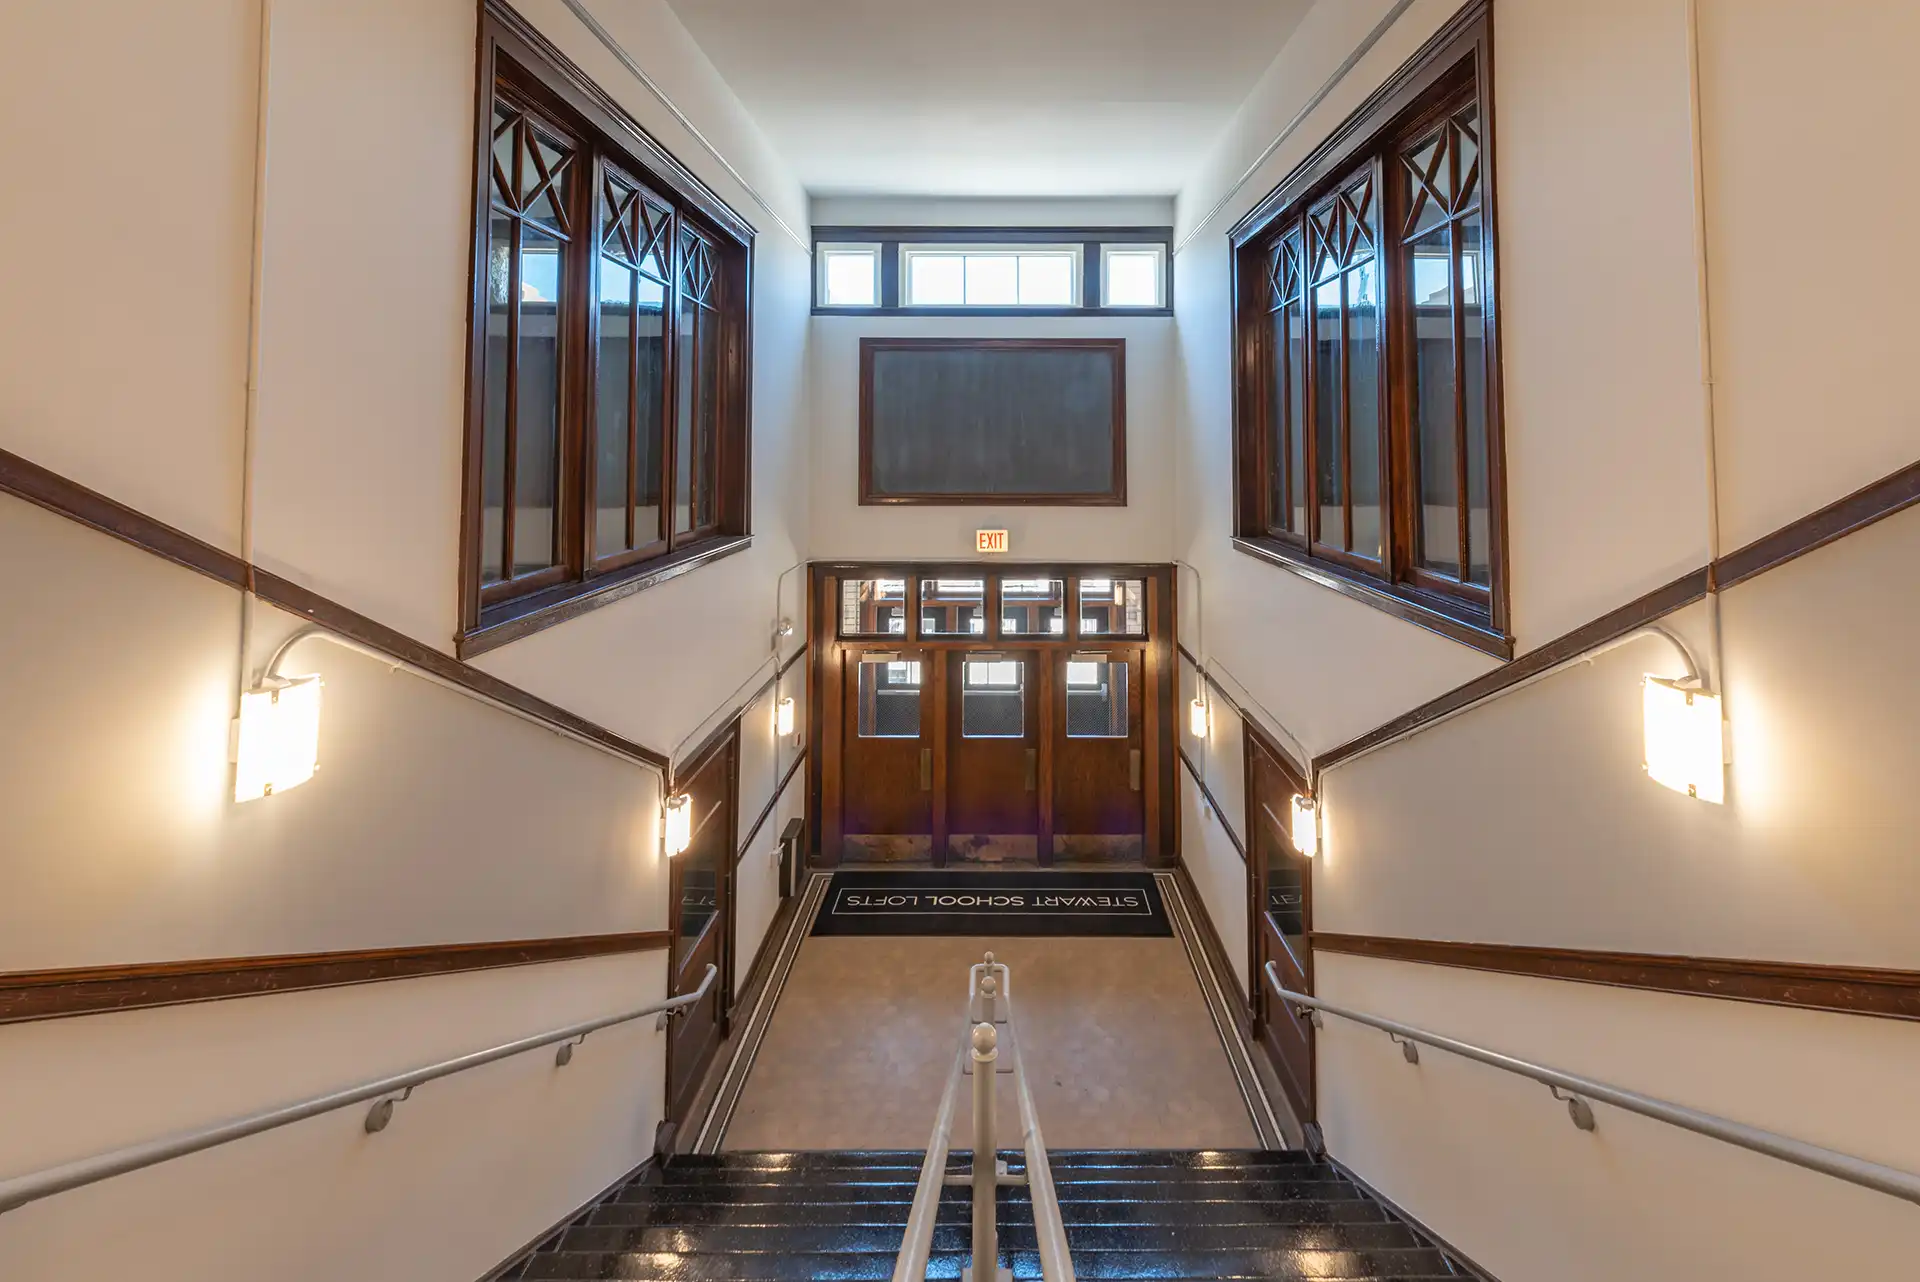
(1158, 1215)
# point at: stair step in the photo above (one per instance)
(1097, 1266)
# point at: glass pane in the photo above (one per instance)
(1286, 893)
(1363, 405)
(612, 407)
(1474, 387)
(549, 205)
(1096, 699)
(503, 188)
(851, 278)
(953, 607)
(993, 280)
(1434, 428)
(1046, 280)
(993, 699)
(1279, 426)
(889, 700)
(536, 418)
(1131, 278)
(699, 869)
(873, 607)
(655, 224)
(650, 391)
(1466, 141)
(1429, 183)
(1113, 607)
(1297, 410)
(936, 280)
(493, 438)
(707, 434)
(1329, 460)
(686, 377)
(1033, 607)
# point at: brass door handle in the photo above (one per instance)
(1133, 770)
(926, 770)
(1033, 758)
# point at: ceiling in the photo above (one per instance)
(992, 97)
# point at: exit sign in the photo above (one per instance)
(990, 541)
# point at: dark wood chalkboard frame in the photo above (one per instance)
(1114, 496)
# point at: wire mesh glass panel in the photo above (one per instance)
(1113, 607)
(953, 607)
(873, 607)
(890, 700)
(993, 699)
(1096, 698)
(1033, 607)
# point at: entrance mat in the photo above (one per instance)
(1027, 902)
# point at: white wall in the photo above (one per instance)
(434, 818)
(1529, 820)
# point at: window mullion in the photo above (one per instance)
(509, 481)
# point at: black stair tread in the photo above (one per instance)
(837, 1239)
(1099, 1265)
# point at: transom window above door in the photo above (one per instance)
(1042, 606)
(993, 270)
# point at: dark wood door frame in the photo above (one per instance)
(712, 775)
(1267, 823)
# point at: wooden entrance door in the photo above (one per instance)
(1097, 738)
(700, 893)
(1282, 891)
(886, 756)
(993, 756)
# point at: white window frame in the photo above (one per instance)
(1076, 289)
(825, 250)
(1159, 251)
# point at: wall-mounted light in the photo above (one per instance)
(1306, 825)
(277, 745)
(1197, 717)
(783, 717)
(679, 823)
(1685, 745)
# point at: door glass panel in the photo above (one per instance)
(1286, 896)
(1113, 607)
(890, 699)
(1033, 607)
(993, 699)
(1096, 698)
(873, 607)
(953, 607)
(699, 869)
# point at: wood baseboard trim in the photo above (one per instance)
(1844, 990)
(96, 990)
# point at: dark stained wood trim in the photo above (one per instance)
(766, 811)
(44, 488)
(1116, 496)
(1847, 990)
(1219, 811)
(1858, 510)
(528, 615)
(1683, 591)
(1247, 718)
(93, 990)
(349, 623)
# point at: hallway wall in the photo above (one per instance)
(434, 819)
(1529, 820)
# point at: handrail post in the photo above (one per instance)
(986, 1166)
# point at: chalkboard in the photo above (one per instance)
(993, 421)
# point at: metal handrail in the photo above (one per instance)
(1579, 1090)
(389, 1091)
(988, 988)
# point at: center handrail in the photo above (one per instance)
(990, 1003)
(1578, 1090)
(389, 1091)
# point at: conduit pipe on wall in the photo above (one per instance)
(256, 295)
(1704, 301)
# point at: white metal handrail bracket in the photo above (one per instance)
(1579, 1093)
(989, 1011)
(387, 1091)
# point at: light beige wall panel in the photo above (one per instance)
(469, 1170)
(1217, 871)
(1529, 820)
(1808, 119)
(433, 818)
(1491, 1162)
(127, 131)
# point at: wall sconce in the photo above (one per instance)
(1197, 717)
(679, 823)
(1685, 745)
(277, 744)
(1306, 825)
(783, 717)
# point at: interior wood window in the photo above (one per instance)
(1367, 439)
(608, 433)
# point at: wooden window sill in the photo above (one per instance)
(524, 616)
(1422, 609)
